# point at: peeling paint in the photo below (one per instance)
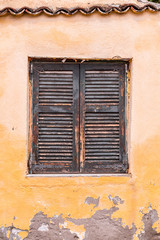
(3, 233)
(116, 200)
(149, 233)
(99, 226)
(10, 233)
(54, 232)
(91, 200)
(102, 226)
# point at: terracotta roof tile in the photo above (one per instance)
(103, 9)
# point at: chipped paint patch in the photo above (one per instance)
(116, 200)
(102, 226)
(41, 222)
(149, 232)
(91, 200)
(3, 233)
(11, 233)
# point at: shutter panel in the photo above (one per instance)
(102, 118)
(55, 118)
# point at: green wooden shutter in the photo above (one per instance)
(102, 118)
(55, 107)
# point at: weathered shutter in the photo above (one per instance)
(102, 118)
(55, 118)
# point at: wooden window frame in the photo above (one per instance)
(36, 66)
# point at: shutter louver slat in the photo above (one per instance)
(104, 93)
(102, 132)
(53, 133)
(55, 80)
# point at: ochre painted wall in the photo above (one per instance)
(81, 207)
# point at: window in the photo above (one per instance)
(78, 117)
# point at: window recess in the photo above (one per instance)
(78, 117)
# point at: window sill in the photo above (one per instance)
(129, 175)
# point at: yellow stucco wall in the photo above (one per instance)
(136, 37)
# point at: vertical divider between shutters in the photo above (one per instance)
(75, 118)
(82, 118)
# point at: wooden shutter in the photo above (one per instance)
(102, 118)
(55, 107)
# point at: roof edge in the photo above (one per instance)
(152, 7)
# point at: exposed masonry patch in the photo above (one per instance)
(102, 226)
(10, 233)
(91, 200)
(43, 228)
(116, 200)
(41, 222)
(3, 233)
(149, 232)
(99, 226)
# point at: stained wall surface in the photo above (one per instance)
(82, 207)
